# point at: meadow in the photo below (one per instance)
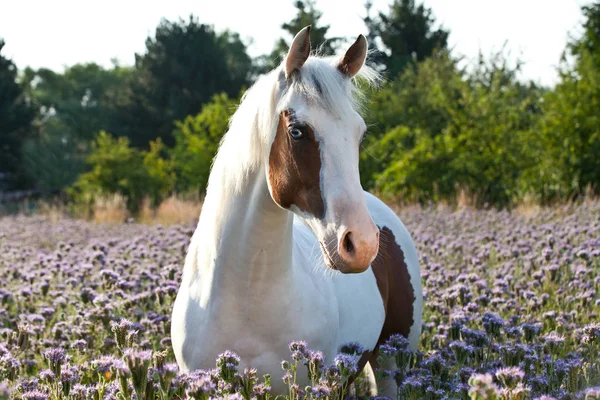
(512, 304)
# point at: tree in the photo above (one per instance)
(16, 116)
(197, 140)
(570, 128)
(589, 42)
(306, 14)
(73, 107)
(184, 65)
(82, 97)
(116, 167)
(457, 131)
(404, 35)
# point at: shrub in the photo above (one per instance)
(197, 140)
(118, 168)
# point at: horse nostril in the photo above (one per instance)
(348, 245)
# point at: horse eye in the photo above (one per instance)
(296, 134)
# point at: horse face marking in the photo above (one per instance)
(295, 166)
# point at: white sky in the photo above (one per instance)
(58, 33)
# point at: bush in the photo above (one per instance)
(477, 137)
(569, 134)
(197, 140)
(118, 168)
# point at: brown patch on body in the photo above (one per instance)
(393, 280)
(295, 167)
(397, 293)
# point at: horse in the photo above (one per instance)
(288, 245)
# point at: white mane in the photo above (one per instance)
(252, 127)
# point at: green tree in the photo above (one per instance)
(16, 116)
(74, 106)
(197, 140)
(422, 100)
(82, 97)
(478, 136)
(184, 65)
(570, 128)
(52, 160)
(588, 45)
(116, 167)
(306, 14)
(403, 35)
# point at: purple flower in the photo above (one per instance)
(34, 395)
(27, 384)
(398, 342)
(104, 364)
(55, 357)
(299, 350)
(553, 340)
(261, 390)
(492, 324)
(510, 376)
(347, 364)
(227, 363)
(353, 348)
(592, 393)
(320, 391)
(9, 366)
(200, 388)
(482, 386)
(46, 375)
(79, 344)
(462, 351)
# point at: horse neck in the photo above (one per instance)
(243, 241)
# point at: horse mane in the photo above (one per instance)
(252, 127)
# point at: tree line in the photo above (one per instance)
(437, 126)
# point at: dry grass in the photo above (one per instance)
(179, 209)
(174, 210)
(111, 208)
(528, 207)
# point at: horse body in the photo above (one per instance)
(259, 272)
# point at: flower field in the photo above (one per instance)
(512, 311)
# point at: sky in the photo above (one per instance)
(59, 33)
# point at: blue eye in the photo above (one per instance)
(296, 134)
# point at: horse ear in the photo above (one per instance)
(299, 52)
(354, 58)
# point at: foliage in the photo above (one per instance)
(82, 97)
(570, 127)
(184, 65)
(197, 139)
(118, 168)
(404, 35)
(589, 42)
(53, 160)
(437, 128)
(511, 312)
(456, 132)
(16, 116)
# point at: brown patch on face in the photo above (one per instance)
(295, 167)
(393, 280)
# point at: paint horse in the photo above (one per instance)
(284, 204)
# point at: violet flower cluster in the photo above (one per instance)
(512, 307)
